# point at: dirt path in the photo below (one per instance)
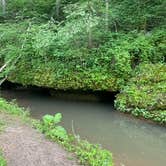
(24, 146)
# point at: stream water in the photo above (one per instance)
(133, 142)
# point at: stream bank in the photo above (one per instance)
(29, 147)
(142, 144)
(87, 154)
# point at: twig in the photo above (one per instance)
(3, 80)
(4, 66)
(74, 133)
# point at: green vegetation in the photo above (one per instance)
(2, 124)
(88, 154)
(12, 108)
(86, 45)
(61, 45)
(2, 160)
(145, 93)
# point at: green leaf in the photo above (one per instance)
(57, 118)
(48, 119)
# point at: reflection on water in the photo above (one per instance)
(132, 141)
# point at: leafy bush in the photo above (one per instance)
(145, 94)
(23, 9)
(93, 154)
(51, 129)
(141, 15)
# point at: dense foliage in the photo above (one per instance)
(145, 93)
(80, 44)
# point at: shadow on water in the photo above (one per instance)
(132, 141)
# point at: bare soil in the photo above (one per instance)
(24, 146)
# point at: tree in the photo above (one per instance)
(107, 13)
(3, 3)
(58, 3)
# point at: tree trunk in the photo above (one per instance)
(90, 38)
(3, 2)
(107, 14)
(89, 28)
(58, 3)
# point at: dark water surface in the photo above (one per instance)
(133, 142)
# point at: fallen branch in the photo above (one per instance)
(3, 80)
(4, 66)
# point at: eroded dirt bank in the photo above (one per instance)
(24, 146)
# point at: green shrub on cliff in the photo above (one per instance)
(145, 94)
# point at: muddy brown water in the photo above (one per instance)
(133, 142)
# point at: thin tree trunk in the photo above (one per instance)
(3, 2)
(58, 3)
(107, 14)
(90, 38)
(3, 80)
(4, 66)
(89, 28)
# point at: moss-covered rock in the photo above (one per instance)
(145, 94)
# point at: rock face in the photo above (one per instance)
(145, 94)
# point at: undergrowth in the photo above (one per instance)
(145, 94)
(2, 160)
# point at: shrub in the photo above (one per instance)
(145, 94)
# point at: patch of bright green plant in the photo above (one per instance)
(50, 128)
(2, 160)
(145, 94)
(12, 108)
